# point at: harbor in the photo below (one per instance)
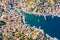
(50, 26)
(29, 19)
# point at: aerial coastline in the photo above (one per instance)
(16, 28)
(35, 8)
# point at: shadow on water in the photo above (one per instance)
(50, 26)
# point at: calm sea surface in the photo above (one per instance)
(50, 26)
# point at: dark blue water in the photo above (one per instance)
(50, 26)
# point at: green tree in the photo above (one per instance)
(55, 1)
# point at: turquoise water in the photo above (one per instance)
(50, 26)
